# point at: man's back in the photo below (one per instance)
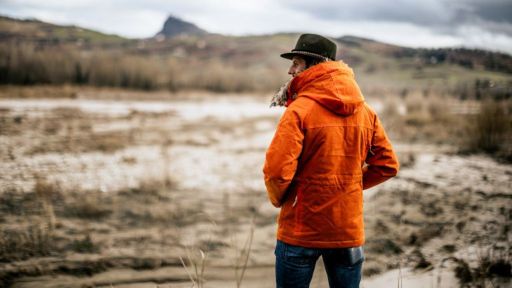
(335, 146)
(318, 155)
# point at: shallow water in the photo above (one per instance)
(212, 157)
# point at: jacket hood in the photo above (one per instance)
(332, 85)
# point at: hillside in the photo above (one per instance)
(190, 58)
(32, 30)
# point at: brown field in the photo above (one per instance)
(115, 188)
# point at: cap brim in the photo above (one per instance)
(290, 55)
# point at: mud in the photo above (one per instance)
(166, 181)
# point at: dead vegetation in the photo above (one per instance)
(412, 223)
(24, 242)
(473, 126)
(491, 129)
(83, 233)
(50, 222)
(28, 63)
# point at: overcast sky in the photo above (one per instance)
(417, 23)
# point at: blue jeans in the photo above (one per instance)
(295, 265)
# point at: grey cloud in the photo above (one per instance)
(420, 12)
(494, 11)
(443, 16)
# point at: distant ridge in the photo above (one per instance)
(247, 49)
(465, 57)
(34, 30)
(174, 26)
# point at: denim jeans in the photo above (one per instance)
(295, 265)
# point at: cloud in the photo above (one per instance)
(492, 10)
(407, 11)
(444, 16)
(478, 37)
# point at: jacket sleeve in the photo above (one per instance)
(381, 160)
(282, 156)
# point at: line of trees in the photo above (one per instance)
(30, 64)
(468, 58)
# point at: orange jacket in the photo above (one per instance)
(315, 166)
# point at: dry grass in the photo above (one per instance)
(492, 269)
(35, 235)
(40, 91)
(45, 192)
(420, 117)
(51, 222)
(195, 263)
(29, 64)
(490, 130)
(92, 223)
(472, 126)
(242, 256)
(91, 206)
(84, 245)
(33, 240)
(64, 130)
(80, 142)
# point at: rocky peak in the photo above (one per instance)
(174, 26)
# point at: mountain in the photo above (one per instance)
(464, 57)
(201, 60)
(174, 26)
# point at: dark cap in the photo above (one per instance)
(313, 45)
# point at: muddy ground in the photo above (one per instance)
(124, 192)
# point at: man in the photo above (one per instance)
(329, 145)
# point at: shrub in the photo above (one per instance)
(36, 240)
(90, 207)
(489, 131)
(84, 245)
(383, 246)
(493, 265)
